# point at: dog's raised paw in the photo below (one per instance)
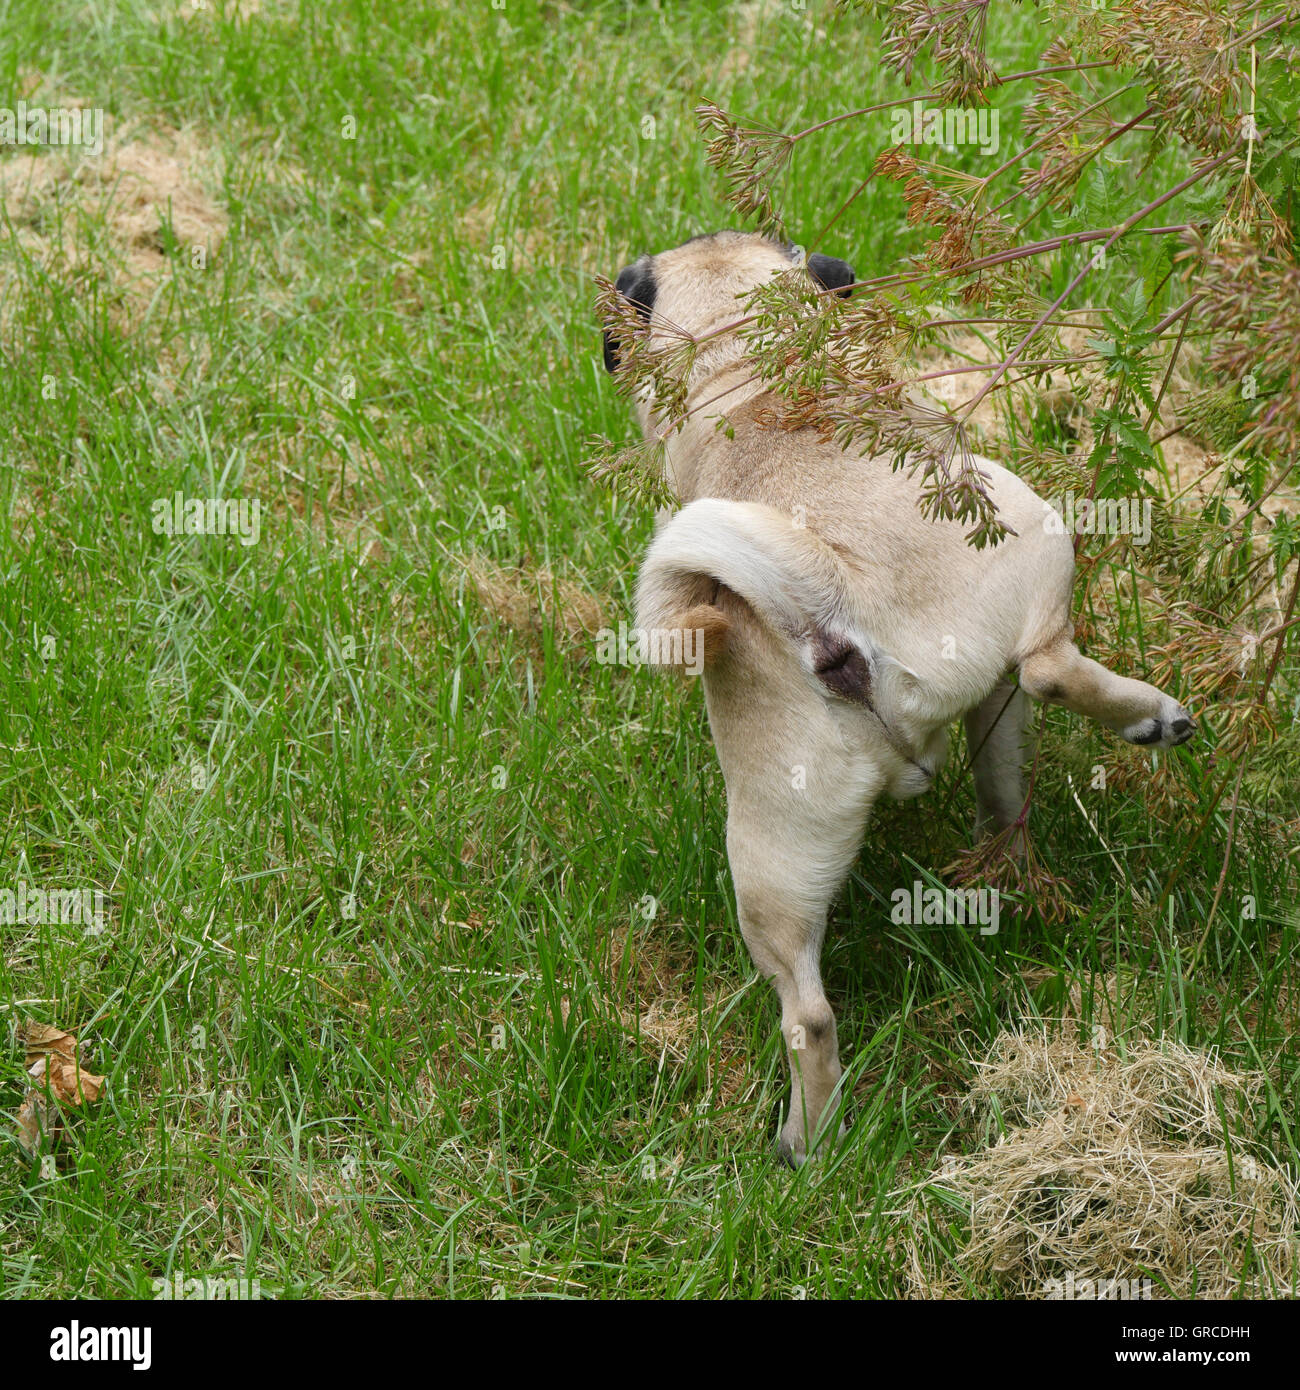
(1161, 731)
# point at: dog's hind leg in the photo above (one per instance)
(996, 732)
(783, 920)
(800, 777)
(1058, 672)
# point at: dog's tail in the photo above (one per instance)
(792, 580)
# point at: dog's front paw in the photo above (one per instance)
(1165, 730)
(792, 1149)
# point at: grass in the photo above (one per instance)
(421, 974)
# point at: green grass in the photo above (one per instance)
(382, 1003)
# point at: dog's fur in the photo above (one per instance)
(843, 632)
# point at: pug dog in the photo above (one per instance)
(842, 634)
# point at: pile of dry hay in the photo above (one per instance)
(1108, 1167)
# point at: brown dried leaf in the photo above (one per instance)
(33, 1118)
(40, 1040)
(52, 1064)
(73, 1086)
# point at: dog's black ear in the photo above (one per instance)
(831, 274)
(637, 283)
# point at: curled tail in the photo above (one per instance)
(792, 580)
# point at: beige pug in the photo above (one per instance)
(843, 632)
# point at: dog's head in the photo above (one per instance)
(694, 287)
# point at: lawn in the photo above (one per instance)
(418, 973)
